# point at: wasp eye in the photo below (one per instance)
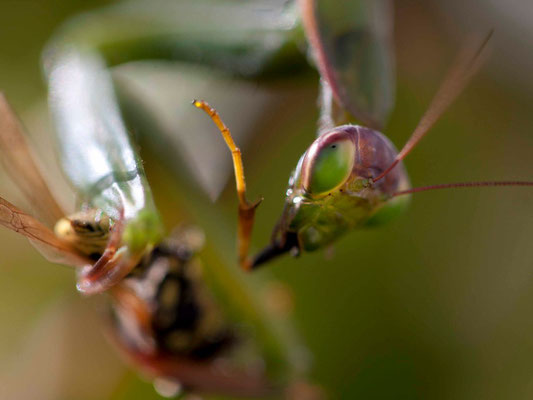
(329, 164)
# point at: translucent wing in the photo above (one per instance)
(98, 158)
(94, 147)
(39, 235)
(351, 45)
(18, 161)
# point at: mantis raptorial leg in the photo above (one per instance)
(246, 209)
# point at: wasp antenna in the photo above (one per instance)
(235, 151)
(467, 63)
(246, 209)
(462, 185)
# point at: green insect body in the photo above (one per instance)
(351, 199)
(314, 219)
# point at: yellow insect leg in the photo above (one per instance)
(246, 209)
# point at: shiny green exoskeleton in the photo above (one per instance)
(331, 190)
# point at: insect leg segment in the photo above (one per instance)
(246, 209)
(132, 308)
(340, 38)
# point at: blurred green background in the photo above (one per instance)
(435, 305)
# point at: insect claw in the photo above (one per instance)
(106, 272)
(83, 285)
(114, 264)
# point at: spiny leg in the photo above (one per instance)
(246, 209)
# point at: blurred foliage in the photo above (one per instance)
(435, 305)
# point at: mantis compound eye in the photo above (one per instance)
(328, 163)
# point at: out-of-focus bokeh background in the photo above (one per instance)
(435, 305)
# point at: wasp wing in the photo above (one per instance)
(18, 160)
(50, 246)
(351, 45)
(95, 150)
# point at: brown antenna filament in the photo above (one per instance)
(462, 185)
(466, 65)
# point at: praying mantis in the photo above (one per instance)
(351, 176)
(80, 91)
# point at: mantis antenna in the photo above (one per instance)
(466, 65)
(463, 185)
(246, 209)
